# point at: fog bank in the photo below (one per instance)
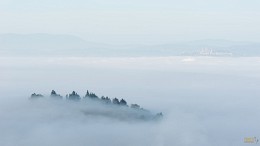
(205, 100)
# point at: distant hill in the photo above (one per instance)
(68, 45)
(47, 44)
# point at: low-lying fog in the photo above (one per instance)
(206, 101)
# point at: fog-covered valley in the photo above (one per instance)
(129, 73)
(205, 100)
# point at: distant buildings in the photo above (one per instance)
(211, 52)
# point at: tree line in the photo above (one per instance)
(89, 95)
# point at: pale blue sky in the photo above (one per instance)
(135, 21)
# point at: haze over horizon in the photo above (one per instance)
(135, 22)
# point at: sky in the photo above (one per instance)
(136, 21)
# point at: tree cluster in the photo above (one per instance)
(55, 95)
(34, 95)
(92, 96)
(75, 96)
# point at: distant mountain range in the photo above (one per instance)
(68, 45)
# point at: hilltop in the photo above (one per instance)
(104, 106)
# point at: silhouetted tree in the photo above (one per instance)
(91, 95)
(136, 106)
(158, 115)
(53, 92)
(74, 96)
(105, 99)
(115, 101)
(123, 102)
(34, 95)
(55, 95)
(108, 100)
(87, 94)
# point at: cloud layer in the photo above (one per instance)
(205, 101)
